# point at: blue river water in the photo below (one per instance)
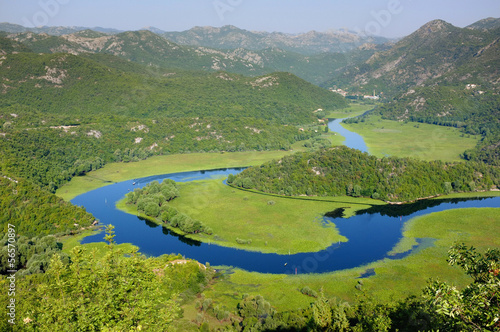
(371, 233)
(352, 140)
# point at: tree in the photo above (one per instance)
(477, 306)
(321, 313)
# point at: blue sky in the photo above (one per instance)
(390, 18)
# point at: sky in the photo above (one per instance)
(388, 18)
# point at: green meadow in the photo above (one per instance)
(417, 140)
(273, 223)
(392, 279)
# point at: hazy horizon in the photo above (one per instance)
(387, 18)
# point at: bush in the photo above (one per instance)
(243, 241)
(308, 291)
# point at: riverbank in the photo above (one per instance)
(157, 165)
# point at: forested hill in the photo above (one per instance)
(63, 115)
(343, 171)
(68, 84)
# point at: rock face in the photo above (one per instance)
(436, 50)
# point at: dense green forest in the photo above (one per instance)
(342, 171)
(59, 148)
(67, 84)
(36, 212)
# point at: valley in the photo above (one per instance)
(258, 231)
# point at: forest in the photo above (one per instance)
(343, 171)
(64, 115)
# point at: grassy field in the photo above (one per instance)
(418, 140)
(352, 111)
(393, 279)
(285, 225)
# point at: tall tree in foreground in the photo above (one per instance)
(476, 307)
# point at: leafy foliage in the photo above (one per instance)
(31, 255)
(36, 212)
(477, 307)
(105, 293)
(343, 171)
(153, 201)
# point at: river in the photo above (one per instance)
(372, 233)
(352, 140)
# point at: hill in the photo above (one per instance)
(65, 83)
(486, 24)
(343, 171)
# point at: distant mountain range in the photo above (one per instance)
(313, 42)
(151, 49)
(54, 31)
(231, 37)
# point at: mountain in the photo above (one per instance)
(435, 50)
(9, 46)
(146, 47)
(313, 42)
(230, 37)
(143, 47)
(54, 31)
(154, 30)
(489, 23)
(64, 83)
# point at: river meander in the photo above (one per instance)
(371, 233)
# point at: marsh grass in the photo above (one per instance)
(394, 279)
(417, 140)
